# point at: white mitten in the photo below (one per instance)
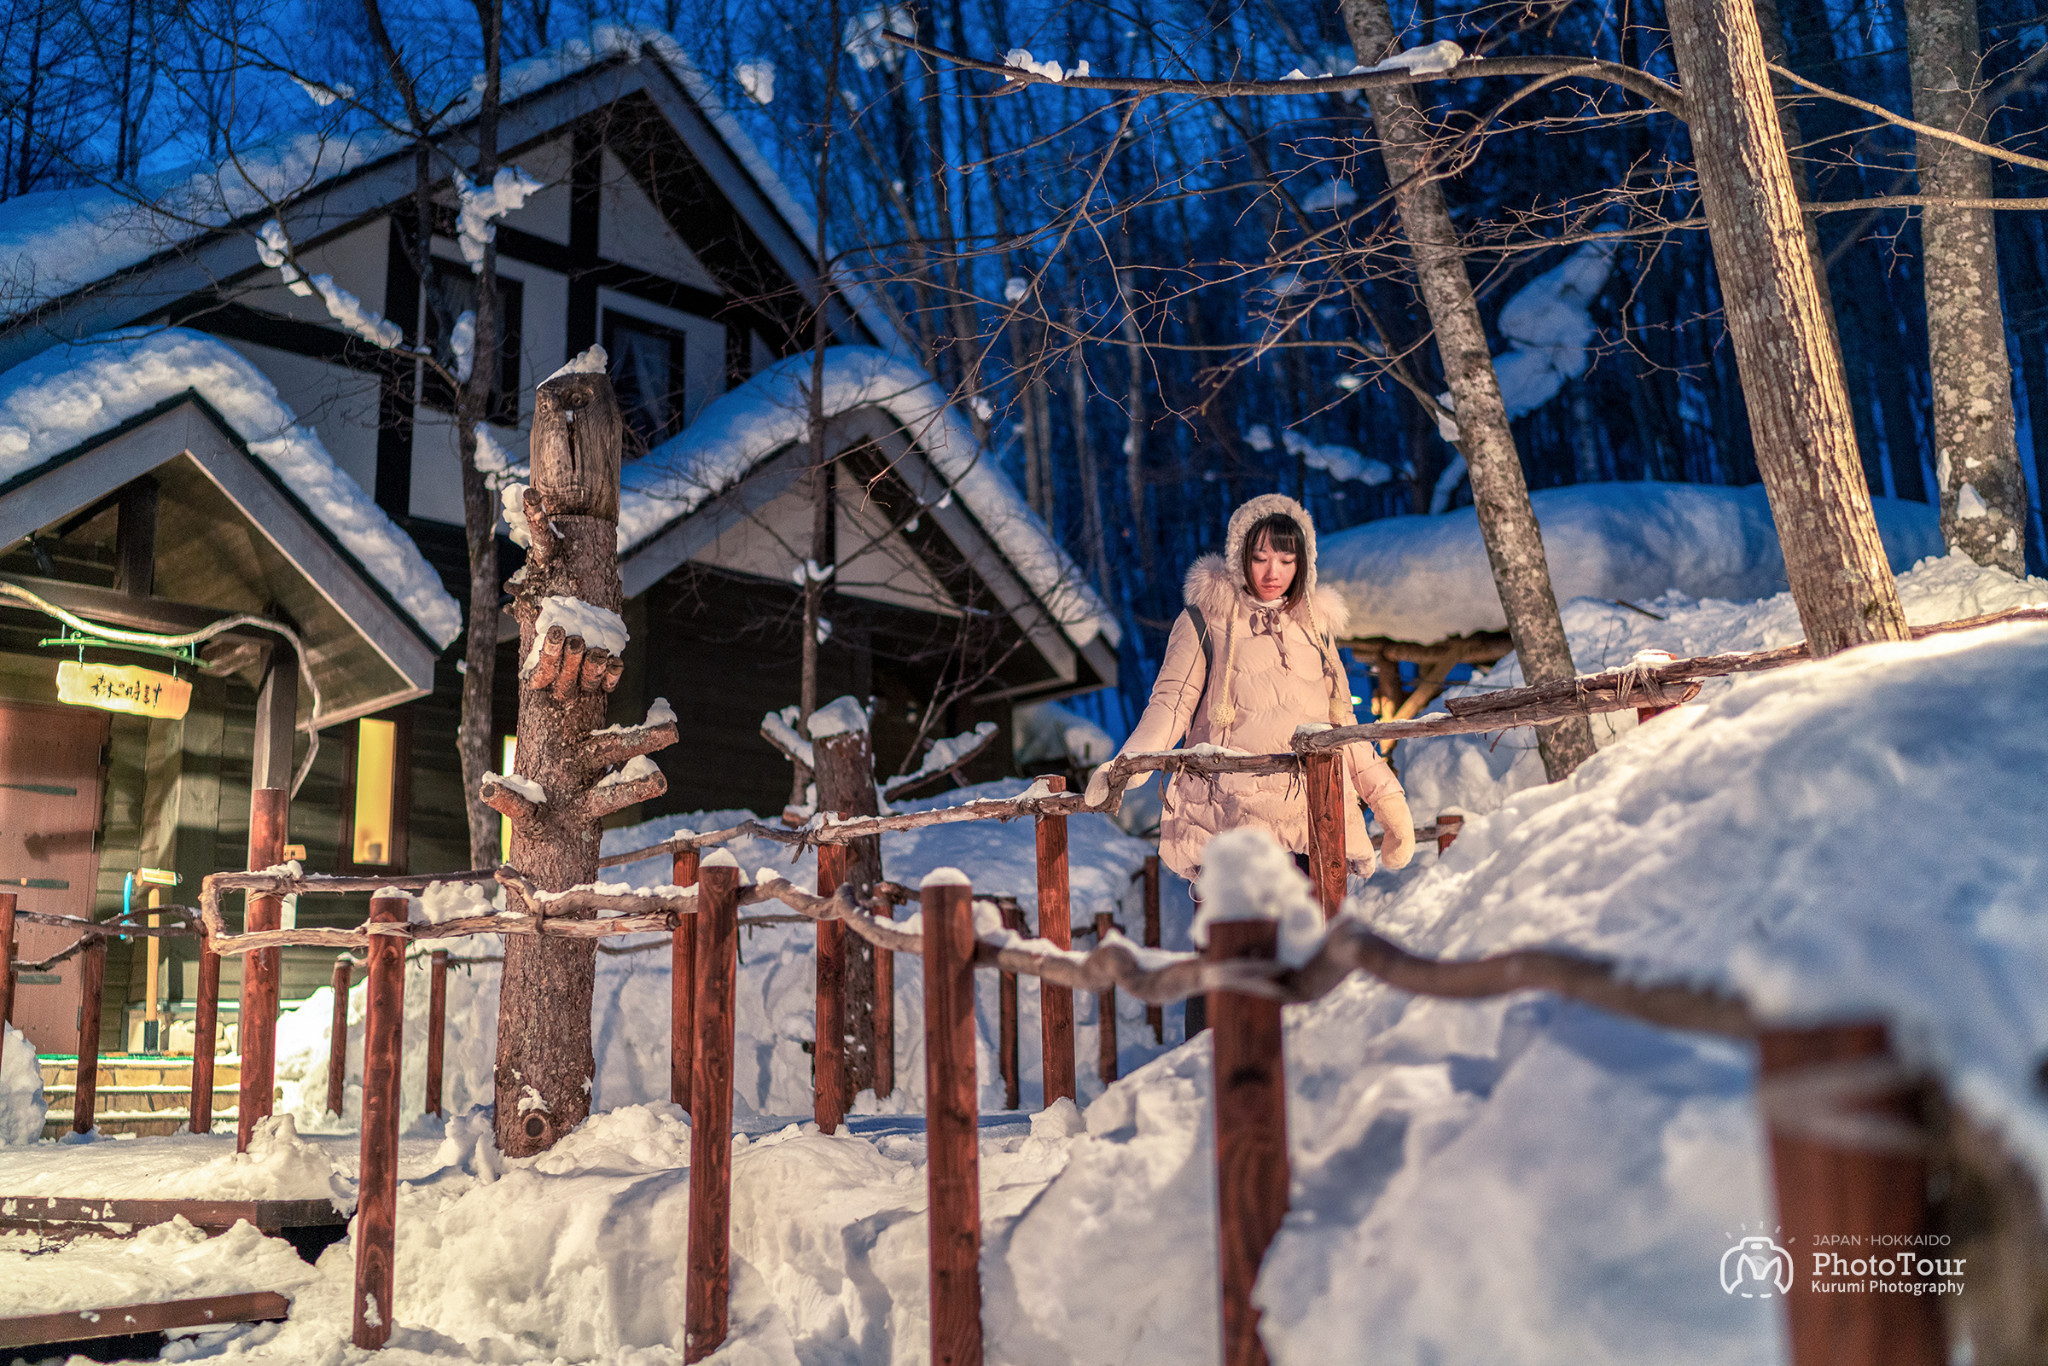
(1397, 840)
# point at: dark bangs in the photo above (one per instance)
(1281, 533)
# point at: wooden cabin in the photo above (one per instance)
(188, 446)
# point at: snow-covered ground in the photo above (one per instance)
(1519, 1181)
(1476, 773)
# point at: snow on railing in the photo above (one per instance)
(1827, 1092)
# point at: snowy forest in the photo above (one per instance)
(1156, 307)
(1272, 682)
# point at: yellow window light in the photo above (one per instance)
(511, 753)
(376, 786)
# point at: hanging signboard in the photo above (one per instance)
(116, 687)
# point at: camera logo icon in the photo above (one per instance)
(1756, 1268)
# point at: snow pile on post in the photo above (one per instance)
(1246, 875)
(78, 390)
(841, 716)
(745, 426)
(22, 1107)
(1425, 578)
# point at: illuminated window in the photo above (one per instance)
(376, 792)
(505, 822)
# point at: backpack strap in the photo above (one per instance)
(1201, 625)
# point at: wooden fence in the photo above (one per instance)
(1822, 1164)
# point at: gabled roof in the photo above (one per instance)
(75, 395)
(178, 233)
(743, 428)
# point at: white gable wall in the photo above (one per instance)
(632, 230)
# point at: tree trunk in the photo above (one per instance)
(1976, 447)
(545, 1067)
(1791, 371)
(1084, 461)
(478, 727)
(1500, 494)
(846, 787)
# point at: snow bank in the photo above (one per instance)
(22, 1107)
(1479, 772)
(744, 426)
(776, 985)
(1424, 578)
(166, 1262)
(1048, 733)
(1531, 1181)
(78, 390)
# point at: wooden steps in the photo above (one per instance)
(130, 1320)
(137, 1095)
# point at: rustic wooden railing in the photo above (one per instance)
(1839, 1110)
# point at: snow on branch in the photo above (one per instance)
(616, 744)
(517, 799)
(275, 250)
(945, 757)
(476, 224)
(778, 728)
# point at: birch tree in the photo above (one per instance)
(1976, 447)
(1791, 372)
(1500, 492)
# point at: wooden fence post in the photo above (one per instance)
(337, 1039)
(205, 1039)
(1824, 1188)
(6, 968)
(682, 986)
(952, 1113)
(92, 974)
(1323, 776)
(1008, 1063)
(267, 812)
(377, 1197)
(708, 1290)
(1055, 923)
(828, 1032)
(437, 1028)
(885, 1008)
(1105, 1012)
(1448, 827)
(1251, 1134)
(1154, 1015)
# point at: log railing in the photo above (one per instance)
(1817, 1149)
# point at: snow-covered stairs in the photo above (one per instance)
(137, 1095)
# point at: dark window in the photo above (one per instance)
(453, 294)
(647, 375)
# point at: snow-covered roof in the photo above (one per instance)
(744, 426)
(1425, 578)
(56, 242)
(76, 391)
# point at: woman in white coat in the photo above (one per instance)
(1252, 658)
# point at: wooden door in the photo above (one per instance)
(50, 781)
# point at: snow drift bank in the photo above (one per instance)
(1424, 578)
(777, 978)
(21, 1089)
(1526, 1180)
(1479, 772)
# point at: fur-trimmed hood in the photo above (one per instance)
(1215, 583)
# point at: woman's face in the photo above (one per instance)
(1272, 572)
